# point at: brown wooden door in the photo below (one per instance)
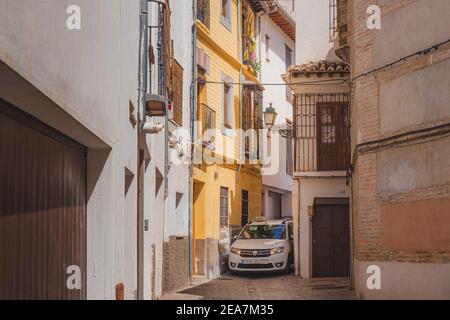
(331, 240)
(42, 209)
(333, 137)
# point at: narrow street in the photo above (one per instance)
(270, 287)
(204, 149)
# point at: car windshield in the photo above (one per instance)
(265, 231)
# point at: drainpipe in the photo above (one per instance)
(241, 80)
(352, 239)
(193, 109)
(142, 85)
(144, 61)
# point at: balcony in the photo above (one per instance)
(203, 12)
(252, 99)
(322, 133)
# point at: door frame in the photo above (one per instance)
(324, 201)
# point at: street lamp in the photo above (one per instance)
(270, 115)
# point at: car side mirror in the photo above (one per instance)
(235, 237)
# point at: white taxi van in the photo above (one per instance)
(263, 246)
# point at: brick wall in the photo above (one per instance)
(376, 211)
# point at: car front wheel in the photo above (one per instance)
(287, 268)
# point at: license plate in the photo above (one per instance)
(255, 261)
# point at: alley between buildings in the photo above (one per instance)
(262, 286)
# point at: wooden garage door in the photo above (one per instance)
(42, 209)
(331, 238)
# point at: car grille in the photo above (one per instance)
(255, 266)
(249, 253)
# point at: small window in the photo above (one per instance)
(267, 48)
(225, 13)
(289, 55)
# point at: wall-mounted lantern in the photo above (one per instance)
(270, 116)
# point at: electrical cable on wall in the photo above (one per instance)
(319, 82)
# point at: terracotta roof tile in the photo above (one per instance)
(322, 66)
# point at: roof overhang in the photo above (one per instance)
(281, 17)
(318, 76)
(277, 13)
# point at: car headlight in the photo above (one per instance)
(276, 250)
(236, 251)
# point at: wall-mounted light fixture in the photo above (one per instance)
(270, 116)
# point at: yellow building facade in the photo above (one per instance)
(227, 192)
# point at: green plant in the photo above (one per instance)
(256, 66)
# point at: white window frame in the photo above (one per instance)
(267, 44)
(227, 128)
(226, 21)
(289, 91)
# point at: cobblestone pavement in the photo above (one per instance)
(272, 287)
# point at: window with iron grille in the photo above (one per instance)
(322, 132)
(223, 207)
(333, 19)
(177, 93)
(203, 12)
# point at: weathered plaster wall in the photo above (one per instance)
(312, 31)
(401, 192)
(309, 189)
(86, 79)
(406, 281)
(275, 64)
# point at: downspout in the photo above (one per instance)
(144, 61)
(193, 109)
(166, 118)
(241, 80)
(142, 85)
(352, 239)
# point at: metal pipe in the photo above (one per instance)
(193, 109)
(143, 78)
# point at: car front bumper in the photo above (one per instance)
(276, 262)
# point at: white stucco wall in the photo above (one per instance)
(89, 76)
(86, 79)
(272, 67)
(312, 31)
(177, 223)
(311, 188)
(404, 280)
